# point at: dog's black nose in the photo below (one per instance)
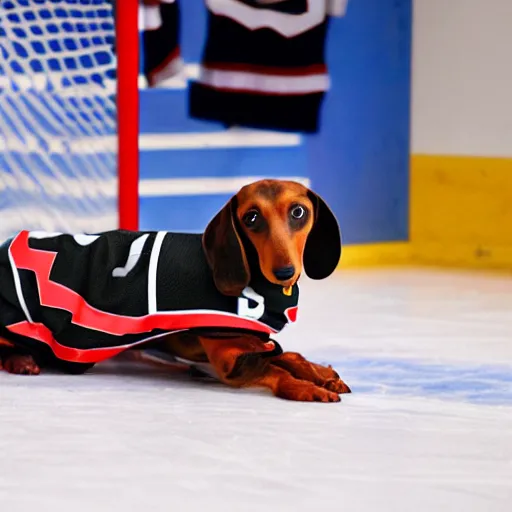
(284, 273)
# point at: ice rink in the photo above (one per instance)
(428, 355)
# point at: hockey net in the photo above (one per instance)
(58, 165)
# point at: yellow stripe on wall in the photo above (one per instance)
(461, 211)
(371, 255)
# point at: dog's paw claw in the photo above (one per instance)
(327, 397)
(307, 392)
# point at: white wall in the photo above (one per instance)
(462, 77)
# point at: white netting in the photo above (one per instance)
(57, 116)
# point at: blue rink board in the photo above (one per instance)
(208, 163)
(188, 213)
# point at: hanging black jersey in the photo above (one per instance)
(89, 297)
(263, 63)
(161, 40)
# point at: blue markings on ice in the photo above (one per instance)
(476, 384)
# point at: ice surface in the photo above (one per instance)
(428, 355)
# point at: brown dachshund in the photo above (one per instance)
(237, 286)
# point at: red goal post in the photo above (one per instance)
(127, 37)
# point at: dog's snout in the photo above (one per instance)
(284, 273)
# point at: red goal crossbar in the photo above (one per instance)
(127, 49)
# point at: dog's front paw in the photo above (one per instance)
(302, 391)
(21, 365)
(330, 379)
(337, 385)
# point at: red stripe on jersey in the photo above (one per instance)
(174, 55)
(55, 295)
(291, 314)
(41, 333)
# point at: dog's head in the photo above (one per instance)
(286, 226)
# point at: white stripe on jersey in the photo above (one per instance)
(256, 82)
(133, 257)
(152, 272)
(288, 25)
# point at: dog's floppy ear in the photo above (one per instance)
(323, 246)
(225, 252)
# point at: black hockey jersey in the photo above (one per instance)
(263, 63)
(89, 297)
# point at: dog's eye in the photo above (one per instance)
(251, 218)
(298, 212)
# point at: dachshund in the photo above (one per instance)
(210, 301)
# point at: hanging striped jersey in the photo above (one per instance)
(264, 64)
